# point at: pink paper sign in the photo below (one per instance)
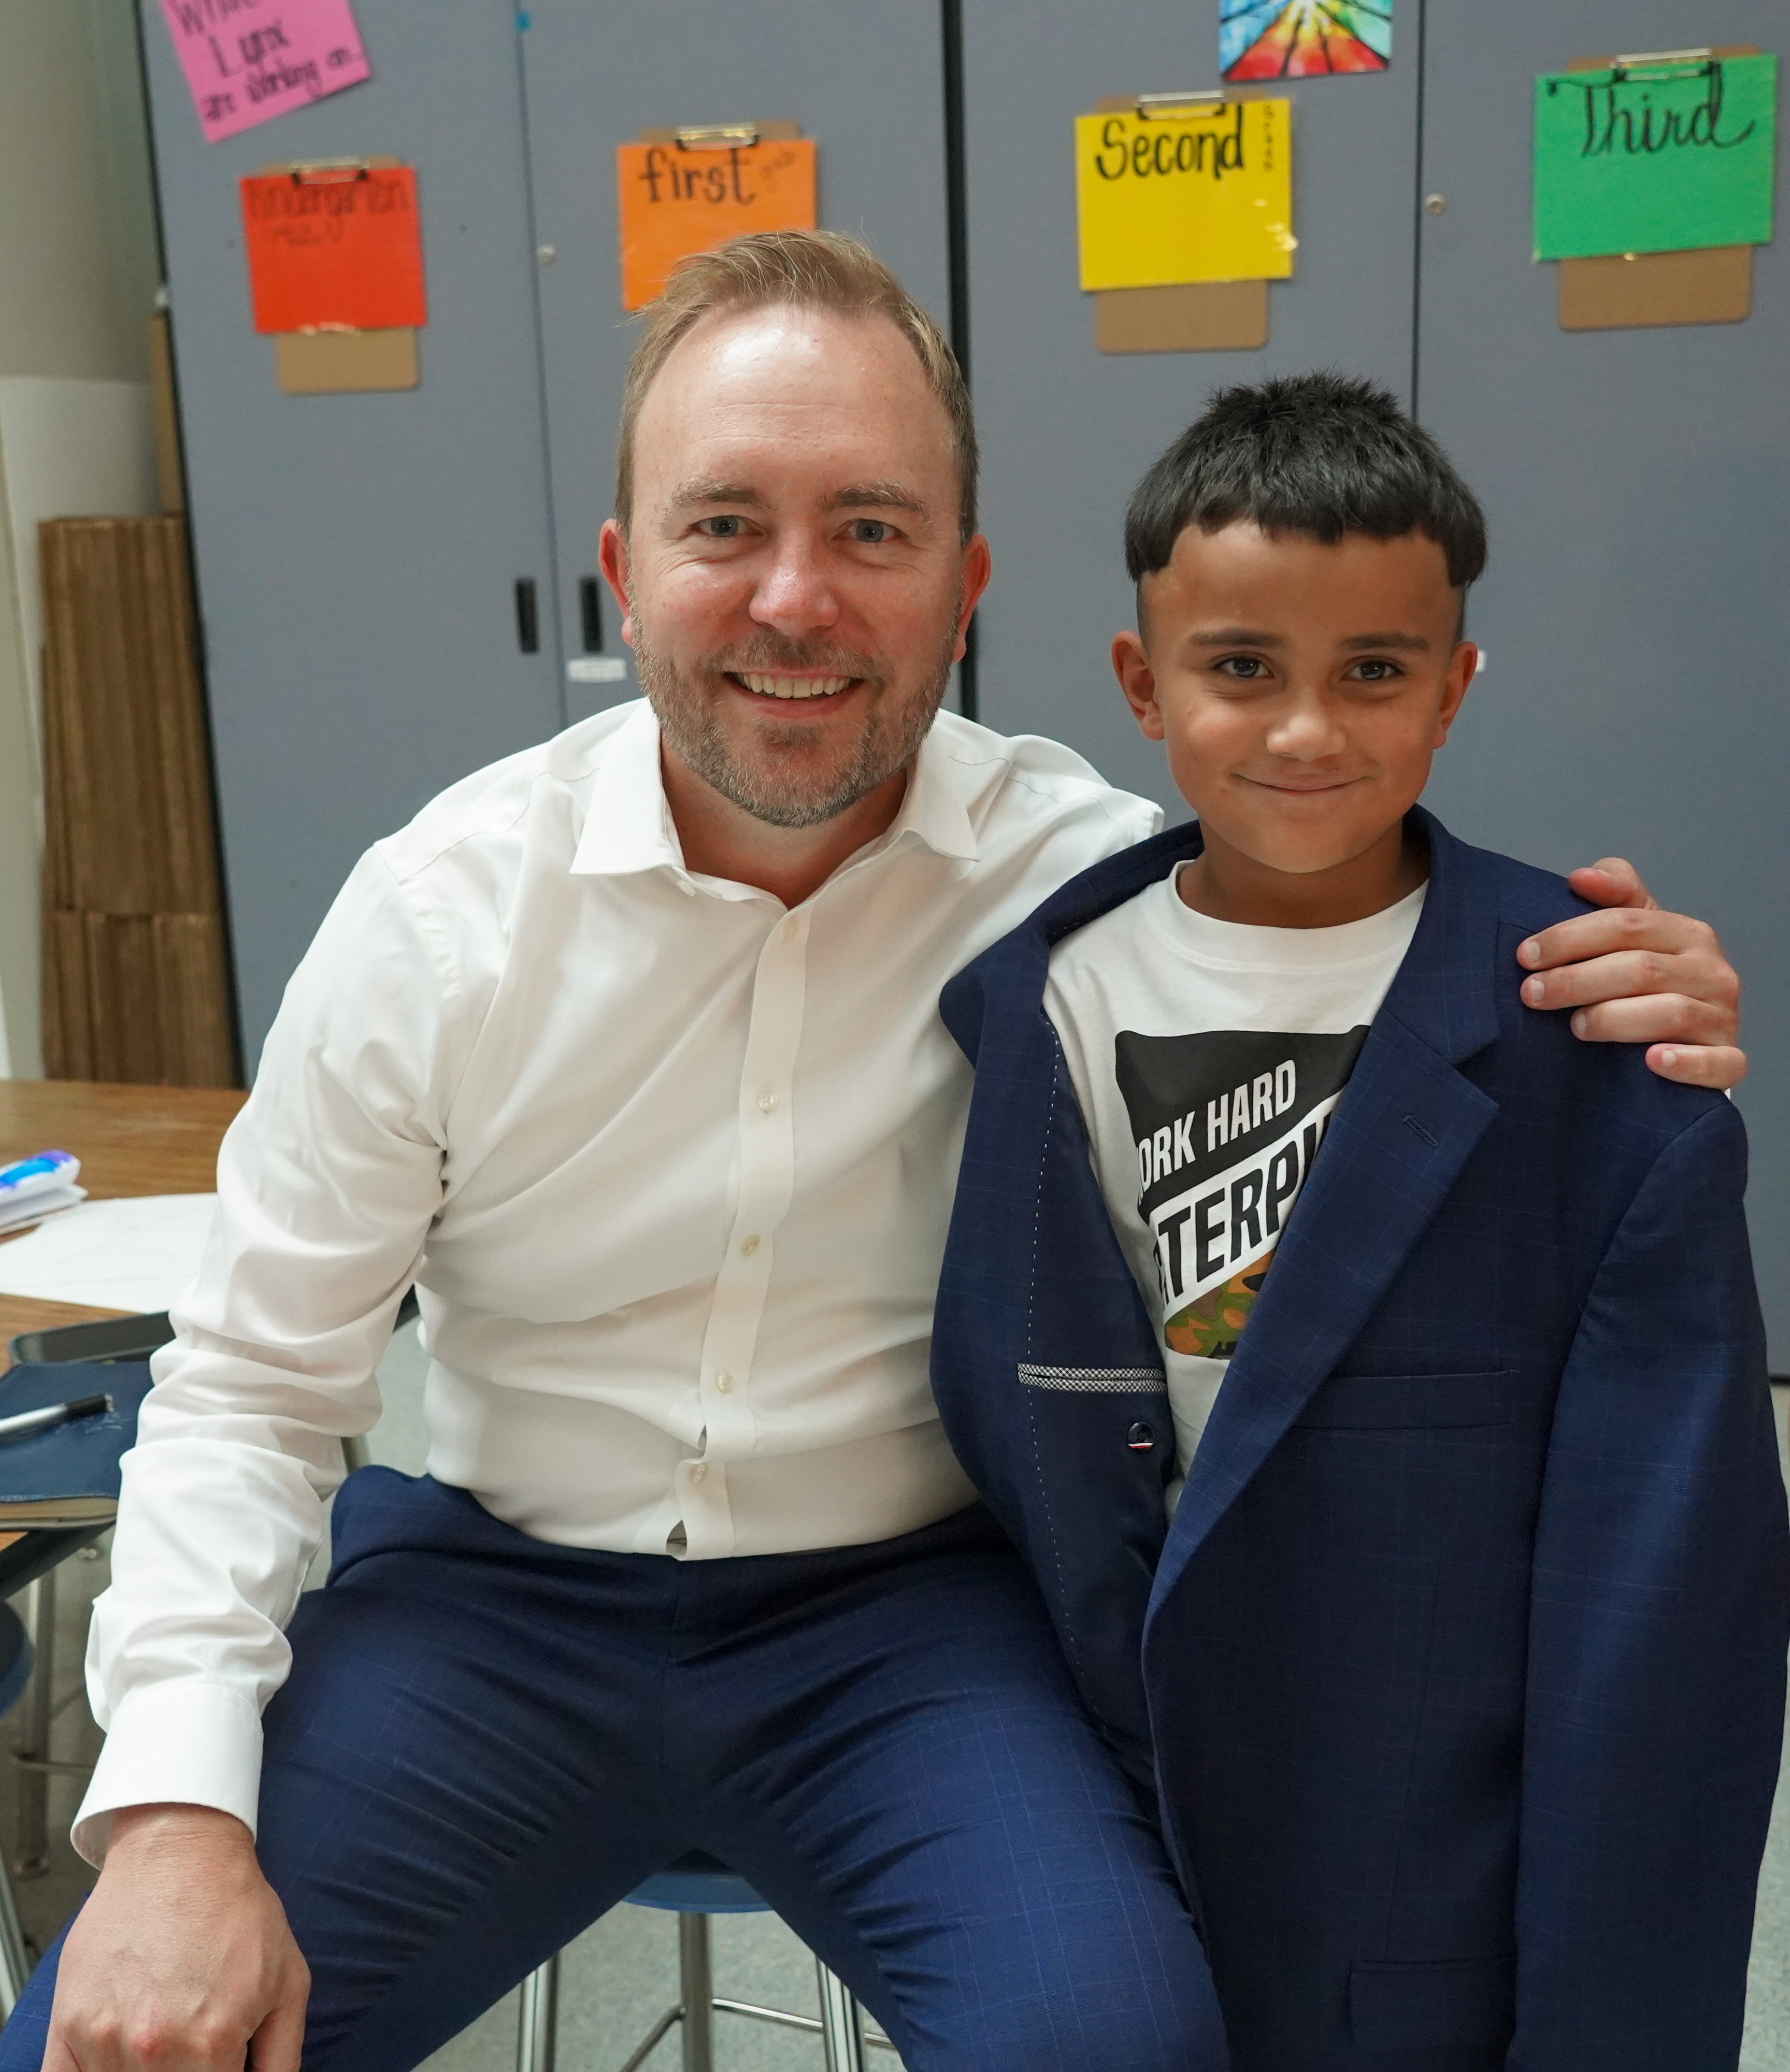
(246, 61)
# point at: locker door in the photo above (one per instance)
(357, 555)
(1635, 614)
(866, 81)
(1067, 431)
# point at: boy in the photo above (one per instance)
(1371, 1373)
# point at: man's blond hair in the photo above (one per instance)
(811, 270)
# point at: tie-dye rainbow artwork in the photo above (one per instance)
(1303, 39)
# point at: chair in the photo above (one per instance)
(693, 1887)
(16, 1673)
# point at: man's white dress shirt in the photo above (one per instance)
(670, 1166)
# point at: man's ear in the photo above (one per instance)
(1463, 667)
(1138, 680)
(612, 559)
(977, 566)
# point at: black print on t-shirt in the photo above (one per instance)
(1226, 1125)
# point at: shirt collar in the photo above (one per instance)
(628, 828)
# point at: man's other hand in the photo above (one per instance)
(1634, 974)
(182, 1960)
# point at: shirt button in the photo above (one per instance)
(767, 1102)
(724, 1381)
(697, 1472)
(748, 1246)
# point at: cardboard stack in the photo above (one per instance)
(134, 982)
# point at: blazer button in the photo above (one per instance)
(1141, 1439)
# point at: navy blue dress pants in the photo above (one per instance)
(486, 1741)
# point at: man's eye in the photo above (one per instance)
(1246, 668)
(869, 532)
(725, 527)
(1376, 673)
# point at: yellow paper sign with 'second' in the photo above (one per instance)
(1201, 195)
(677, 200)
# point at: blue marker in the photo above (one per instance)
(37, 1175)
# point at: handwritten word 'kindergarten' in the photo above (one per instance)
(1169, 148)
(1615, 121)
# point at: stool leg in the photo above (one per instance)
(14, 1964)
(32, 1859)
(841, 2025)
(695, 1974)
(537, 2019)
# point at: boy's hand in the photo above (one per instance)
(1637, 975)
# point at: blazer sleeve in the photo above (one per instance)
(1660, 1614)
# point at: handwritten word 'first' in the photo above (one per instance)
(671, 176)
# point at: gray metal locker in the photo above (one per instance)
(866, 81)
(1635, 614)
(357, 555)
(1067, 431)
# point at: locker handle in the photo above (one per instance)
(528, 616)
(589, 605)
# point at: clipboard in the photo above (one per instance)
(344, 361)
(1637, 291)
(679, 191)
(1205, 316)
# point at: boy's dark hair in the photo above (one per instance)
(1316, 455)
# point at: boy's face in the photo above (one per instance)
(1301, 689)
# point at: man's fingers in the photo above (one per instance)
(1647, 930)
(1719, 1066)
(279, 2041)
(1612, 880)
(1656, 1017)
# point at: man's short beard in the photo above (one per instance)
(787, 793)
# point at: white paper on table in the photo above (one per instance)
(137, 1254)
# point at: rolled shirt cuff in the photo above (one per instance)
(187, 1743)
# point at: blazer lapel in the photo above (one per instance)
(1406, 1123)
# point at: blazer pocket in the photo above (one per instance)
(1465, 2002)
(1405, 1402)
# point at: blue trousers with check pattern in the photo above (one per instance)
(487, 1741)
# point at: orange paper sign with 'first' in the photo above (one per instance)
(677, 200)
(333, 249)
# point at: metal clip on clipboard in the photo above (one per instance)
(1693, 61)
(717, 136)
(1152, 105)
(331, 172)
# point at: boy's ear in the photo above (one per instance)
(1463, 667)
(1138, 680)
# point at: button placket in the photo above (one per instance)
(767, 1168)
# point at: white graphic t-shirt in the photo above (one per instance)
(1207, 1057)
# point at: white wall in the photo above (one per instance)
(79, 267)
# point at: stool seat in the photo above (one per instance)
(696, 1883)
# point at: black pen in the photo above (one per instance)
(28, 1421)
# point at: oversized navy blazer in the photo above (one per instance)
(1461, 1670)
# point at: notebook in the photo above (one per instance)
(69, 1475)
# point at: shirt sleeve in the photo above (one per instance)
(327, 1182)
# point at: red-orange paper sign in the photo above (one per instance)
(677, 198)
(335, 249)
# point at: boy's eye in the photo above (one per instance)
(1246, 669)
(723, 526)
(1375, 672)
(870, 531)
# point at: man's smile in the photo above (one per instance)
(788, 688)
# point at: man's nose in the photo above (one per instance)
(794, 595)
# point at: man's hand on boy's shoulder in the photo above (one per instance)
(1635, 974)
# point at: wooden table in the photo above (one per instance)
(129, 1141)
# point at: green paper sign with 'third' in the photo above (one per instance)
(1668, 156)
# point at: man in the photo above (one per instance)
(626, 1051)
